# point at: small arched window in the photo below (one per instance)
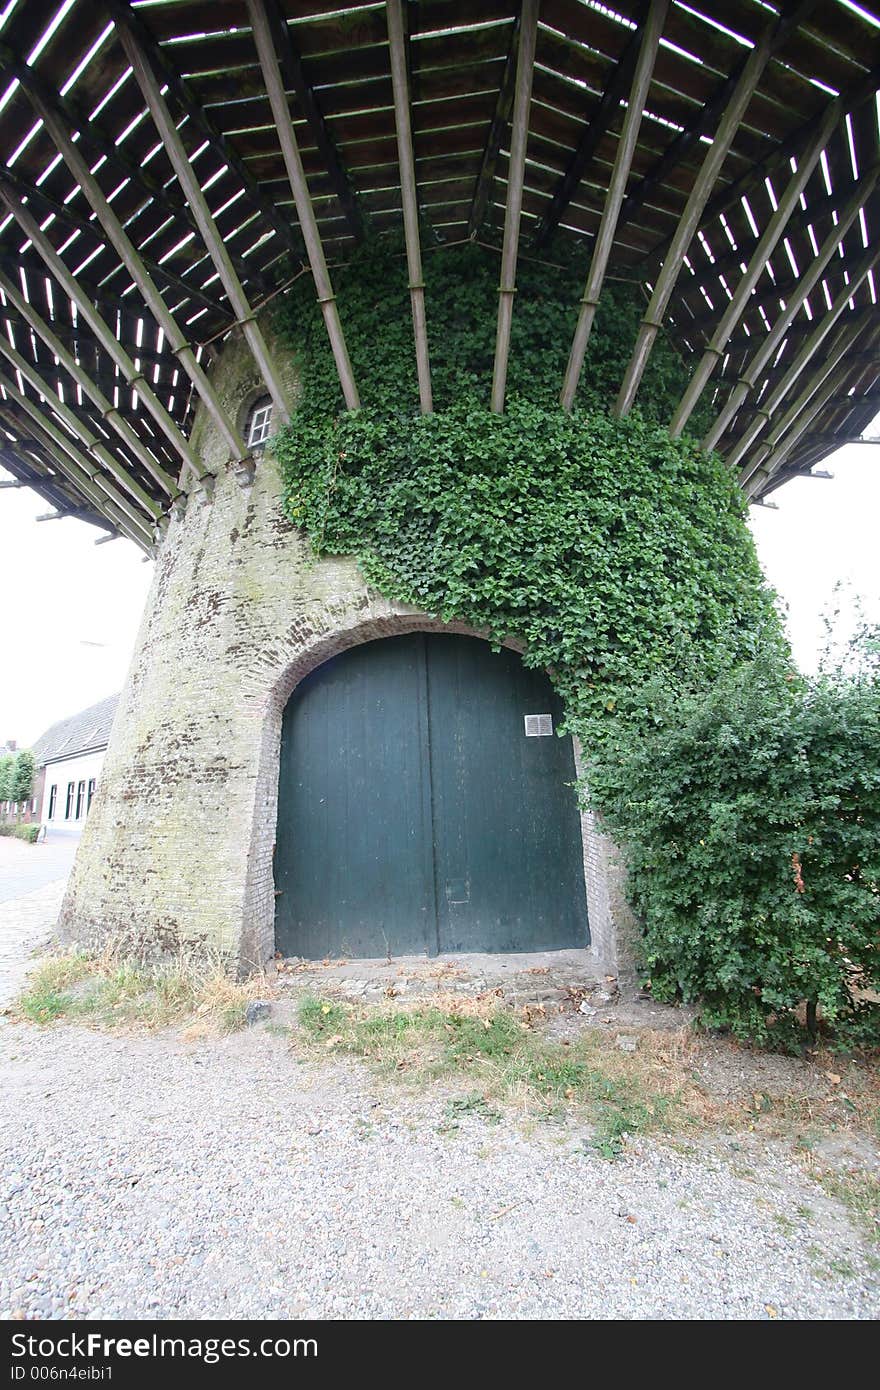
(259, 423)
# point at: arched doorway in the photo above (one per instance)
(425, 805)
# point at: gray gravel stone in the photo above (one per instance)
(230, 1178)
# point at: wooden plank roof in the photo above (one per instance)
(78, 65)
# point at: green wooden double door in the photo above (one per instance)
(425, 806)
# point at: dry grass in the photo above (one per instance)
(107, 991)
(500, 1058)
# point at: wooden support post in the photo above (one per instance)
(802, 359)
(119, 239)
(832, 117)
(305, 211)
(105, 336)
(170, 136)
(525, 63)
(87, 437)
(108, 411)
(406, 163)
(804, 288)
(626, 145)
(690, 218)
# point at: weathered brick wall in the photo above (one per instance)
(177, 850)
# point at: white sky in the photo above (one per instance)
(70, 611)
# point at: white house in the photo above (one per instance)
(69, 759)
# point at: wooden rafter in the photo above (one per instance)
(812, 351)
(129, 23)
(140, 57)
(102, 332)
(73, 118)
(497, 130)
(86, 478)
(403, 124)
(134, 264)
(80, 430)
(513, 211)
(649, 41)
(788, 202)
(293, 71)
(308, 222)
(830, 376)
(652, 320)
(602, 119)
(768, 346)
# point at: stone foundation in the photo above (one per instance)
(177, 850)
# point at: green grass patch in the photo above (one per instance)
(500, 1059)
(108, 993)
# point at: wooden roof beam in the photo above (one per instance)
(139, 56)
(522, 97)
(67, 459)
(133, 263)
(104, 335)
(295, 77)
(811, 403)
(497, 130)
(406, 163)
(65, 214)
(268, 56)
(128, 23)
(788, 202)
(74, 118)
(837, 356)
(716, 154)
(648, 45)
(594, 131)
(792, 147)
(766, 409)
(81, 430)
(709, 115)
(87, 385)
(767, 348)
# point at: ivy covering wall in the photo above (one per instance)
(611, 550)
(747, 809)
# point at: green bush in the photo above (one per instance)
(749, 817)
(21, 832)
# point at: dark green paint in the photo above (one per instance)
(416, 816)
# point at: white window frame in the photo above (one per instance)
(259, 424)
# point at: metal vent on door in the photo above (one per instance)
(538, 725)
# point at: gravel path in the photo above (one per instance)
(151, 1178)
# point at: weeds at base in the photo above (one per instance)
(106, 991)
(503, 1061)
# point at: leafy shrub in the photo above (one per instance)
(21, 832)
(749, 816)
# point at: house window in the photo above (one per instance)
(80, 799)
(53, 797)
(68, 807)
(90, 794)
(259, 423)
